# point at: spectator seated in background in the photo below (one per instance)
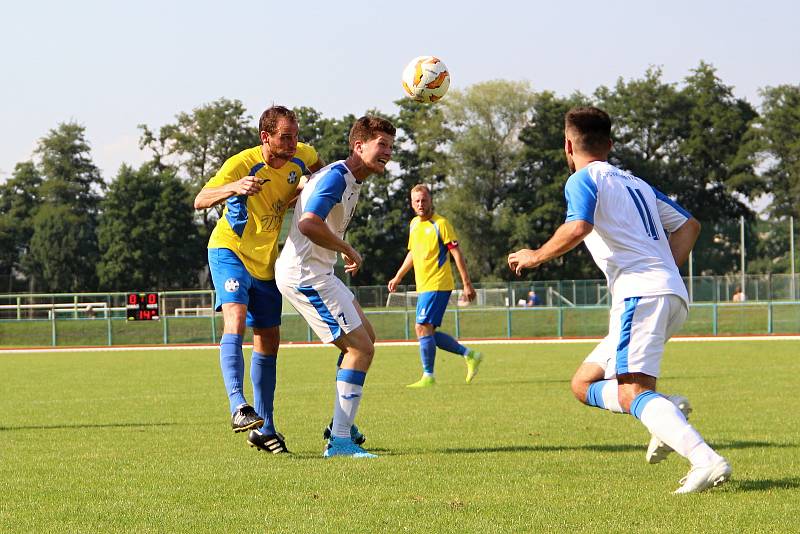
(738, 295)
(533, 299)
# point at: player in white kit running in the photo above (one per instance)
(638, 237)
(304, 272)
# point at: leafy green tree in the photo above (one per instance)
(330, 137)
(484, 157)
(777, 133)
(715, 171)
(63, 249)
(148, 237)
(19, 199)
(69, 175)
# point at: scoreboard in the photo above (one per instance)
(142, 306)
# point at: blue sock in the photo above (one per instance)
(603, 394)
(231, 362)
(263, 372)
(427, 353)
(641, 400)
(449, 343)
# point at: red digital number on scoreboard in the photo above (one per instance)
(142, 306)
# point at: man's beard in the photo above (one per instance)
(570, 163)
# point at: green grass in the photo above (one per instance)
(140, 442)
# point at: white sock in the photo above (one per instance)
(349, 387)
(665, 421)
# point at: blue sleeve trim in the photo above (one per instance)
(443, 250)
(581, 193)
(674, 205)
(255, 168)
(237, 213)
(299, 163)
(328, 192)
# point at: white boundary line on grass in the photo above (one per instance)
(540, 341)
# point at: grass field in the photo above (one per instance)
(139, 442)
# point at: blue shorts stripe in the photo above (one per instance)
(641, 400)
(625, 334)
(316, 301)
(594, 395)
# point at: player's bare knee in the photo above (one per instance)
(579, 388)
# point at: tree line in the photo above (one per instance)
(492, 153)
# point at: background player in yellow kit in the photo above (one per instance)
(431, 242)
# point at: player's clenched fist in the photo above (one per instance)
(249, 185)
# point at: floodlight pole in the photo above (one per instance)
(691, 277)
(741, 247)
(791, 255)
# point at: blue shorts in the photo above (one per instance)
(234, 283)
(431, 306)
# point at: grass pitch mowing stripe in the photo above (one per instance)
(140, 441)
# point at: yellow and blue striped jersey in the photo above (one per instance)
(250, 225)
(430, 243)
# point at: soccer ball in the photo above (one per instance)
(425, 79)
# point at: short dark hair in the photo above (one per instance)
(367, 127)
(269, 119)
(591, 127)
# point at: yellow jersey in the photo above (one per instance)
(430, 243)
(250, 225)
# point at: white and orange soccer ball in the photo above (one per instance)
(426, 79)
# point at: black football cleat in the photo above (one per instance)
(273, 443)
(245, 418)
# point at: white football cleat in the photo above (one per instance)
(702, 478)
(657, 450)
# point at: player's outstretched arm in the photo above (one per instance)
(568, 236)
(313, 227)
(682, 240)
(461, 265)
(408, 262)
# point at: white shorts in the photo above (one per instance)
(326, 304)
(637, 331)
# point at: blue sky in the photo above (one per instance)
(111, 66)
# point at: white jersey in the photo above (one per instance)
(631, 221)
(332, 194)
